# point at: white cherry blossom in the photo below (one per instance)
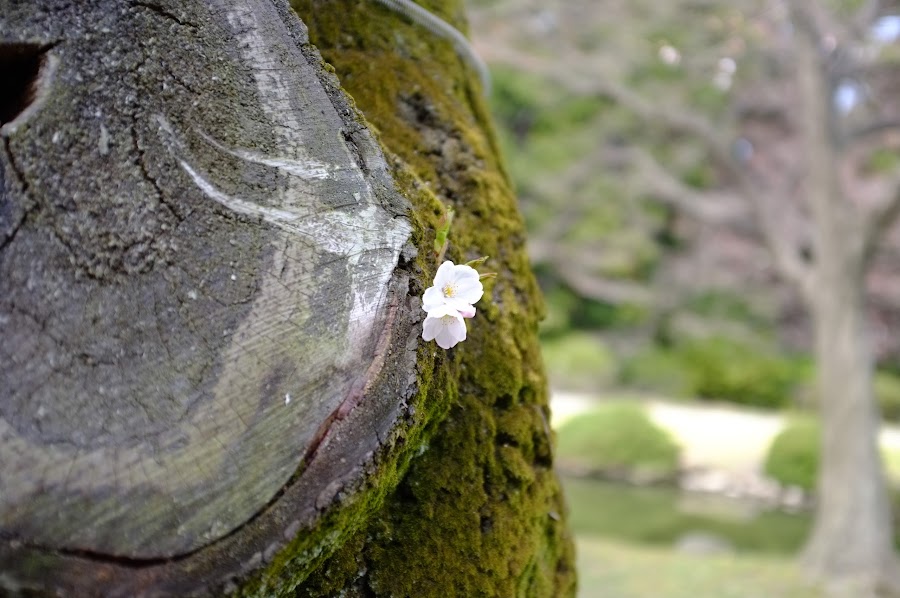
(444, 325)
(455, 286)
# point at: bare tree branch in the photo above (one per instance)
(676, 119)
(723, 208)
(710, 207)
(812, 16)
(865, 16)
(879, 219)
(579, 272)
(604, 289)
(872, 129)
(787, 256)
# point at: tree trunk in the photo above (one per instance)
(852, 540)
(851, 545)
(213, 378)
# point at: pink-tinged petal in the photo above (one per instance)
(444, 274)
(469, 290)
(467, 312)
(432, 298)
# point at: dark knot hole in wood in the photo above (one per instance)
(20, 69)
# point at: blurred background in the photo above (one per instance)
(668, 184)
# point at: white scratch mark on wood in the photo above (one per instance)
(310, 169)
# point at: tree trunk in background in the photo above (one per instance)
(213, 378)
(852, 539)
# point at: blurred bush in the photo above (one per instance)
(618, 440)
(579, 361)
(717, 368)
(726, 369)
(887, 391)
(793, 458)
(657, 369)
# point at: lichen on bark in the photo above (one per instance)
(480, 511)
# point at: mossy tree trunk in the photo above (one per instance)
(480, 512)
(213, 378)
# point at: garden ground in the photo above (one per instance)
(609, 569)
(628, 537)
(715, 435)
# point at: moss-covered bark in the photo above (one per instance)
(479, 511)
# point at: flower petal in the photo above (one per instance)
(444, 274)
(467, 312)
(432, 298)
(458, 329)
(431, 328)
(443, 310)
(445, 339)
(451, 334)
(464, 272)
(469, 290)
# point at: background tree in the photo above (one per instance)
(213, 378)
(787, 169)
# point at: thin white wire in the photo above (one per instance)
(442, 28)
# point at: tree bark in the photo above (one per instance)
(480, 512)
(851, 544)
(213, 374)
(852, 539)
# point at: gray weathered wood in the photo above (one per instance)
(199, 247)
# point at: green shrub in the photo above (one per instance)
(881, 161)
(717, 368)
(887, 391)
(618, 438)
(793, 458)
(560, 303)
(724, 369)
(579, 361)
(657, 370)
(727, 305)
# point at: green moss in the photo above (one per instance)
(479, 511)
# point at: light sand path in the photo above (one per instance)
(711, 435)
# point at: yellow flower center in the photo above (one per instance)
(449, 290)
(447, 320)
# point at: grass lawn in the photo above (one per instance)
(609, 569)
(658, 516)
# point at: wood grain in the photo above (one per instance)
(200, 250)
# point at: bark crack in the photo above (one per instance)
(26, 192)
(163, 13)
(142, 165)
